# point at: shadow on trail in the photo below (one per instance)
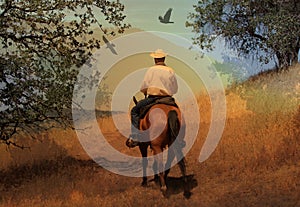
(176, 185)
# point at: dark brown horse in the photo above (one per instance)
(171, 137)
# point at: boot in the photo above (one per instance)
(132, 141)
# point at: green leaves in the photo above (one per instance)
(42, 45)
(261, 28)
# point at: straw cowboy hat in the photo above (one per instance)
(159, 53)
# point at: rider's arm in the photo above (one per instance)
(144, 91)
(145, 83)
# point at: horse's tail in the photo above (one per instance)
(173, 125)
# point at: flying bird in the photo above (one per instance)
(166, 18)
(109, 45)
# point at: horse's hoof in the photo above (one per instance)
(156, 179)
(163, 188)
(187, 194)
(164, 191)
(144, 184)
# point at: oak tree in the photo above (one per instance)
(264, 29)
(43, 44)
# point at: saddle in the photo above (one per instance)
(168, 100)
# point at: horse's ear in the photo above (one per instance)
(134, 100)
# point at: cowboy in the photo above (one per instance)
(159, 81)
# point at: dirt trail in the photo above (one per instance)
(256, 163)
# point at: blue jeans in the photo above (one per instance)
(135, 114)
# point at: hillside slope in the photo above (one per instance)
(257, 162)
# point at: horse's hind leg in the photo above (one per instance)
(182, 166)
(155, 170)
(143, 150)
(159, 159)
(171, 157)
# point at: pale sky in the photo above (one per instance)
(144, 15)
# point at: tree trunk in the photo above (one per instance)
(287, 59)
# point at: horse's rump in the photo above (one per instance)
(171, 123)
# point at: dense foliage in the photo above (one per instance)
(264, 29)
(43, 42)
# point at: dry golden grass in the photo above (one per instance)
(257, 162)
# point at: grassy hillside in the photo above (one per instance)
(257, 162)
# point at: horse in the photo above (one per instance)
(172, 130)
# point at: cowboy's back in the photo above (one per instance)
(159, 80)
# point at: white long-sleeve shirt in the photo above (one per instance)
(159, 80)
